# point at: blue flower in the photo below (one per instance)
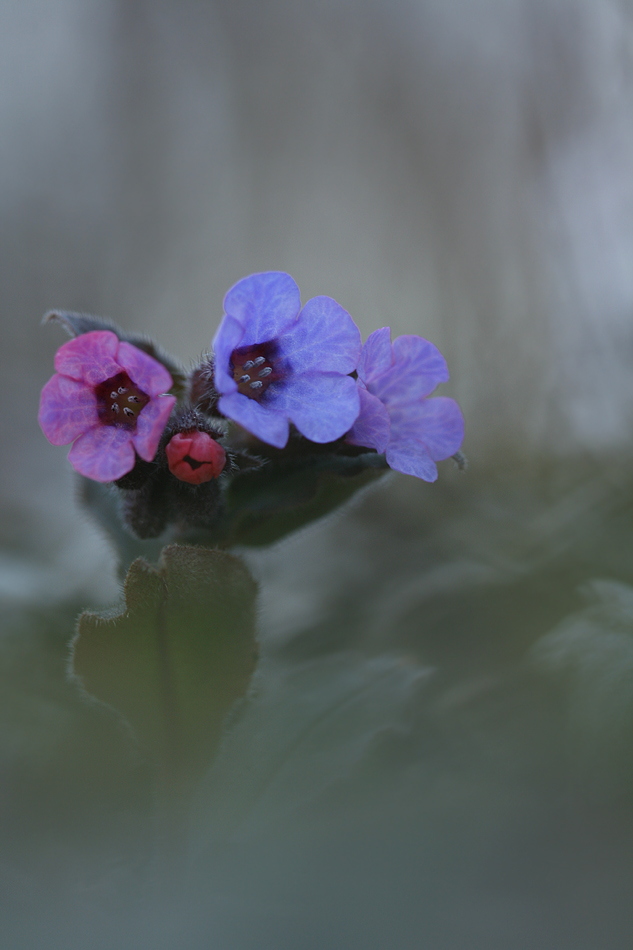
(276, 363)
(396, 415)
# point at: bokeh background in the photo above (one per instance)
(461, 169)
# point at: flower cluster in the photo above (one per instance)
(278, 370)
(107, 399)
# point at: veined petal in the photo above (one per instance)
(420, 354)
(264, 305)
(150, 424)
(148, 374)
(419, 367)
(411, 458)
(324, 339)
(372, 428)
(270, 427)
(228, 336)
(377, 355)
(437, 422)
(103, 453)
(323, 406)
(90, 357)
(67, 408)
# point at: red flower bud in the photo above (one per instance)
(195, 457)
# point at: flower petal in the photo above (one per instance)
(150, 424)
(148, 374)
(323, 406)
(90, 357)
(437, 422)
(67, 408)
(377, 355)
(324, 338)
(372, 427)
(270, 427)
(228, 336)
(103, 453)
(264, 305)
(418, 369)
(411, 458)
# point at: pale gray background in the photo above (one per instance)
(461, 169)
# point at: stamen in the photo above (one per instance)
(116, 409)
(255, 367)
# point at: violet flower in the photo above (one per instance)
(106, 398)
(276, 363)
(396, 417)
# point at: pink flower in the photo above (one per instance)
(107, 398)
(195, 457)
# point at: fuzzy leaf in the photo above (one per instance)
(266, 504)
(177, 656)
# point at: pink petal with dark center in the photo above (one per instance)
(67, 408)
(150, 424)
(90, 357)
(104, 454)
(148, 374)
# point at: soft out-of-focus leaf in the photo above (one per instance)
(104, 504)
(179, 654)
(256, 508)
(77, 323)
(592, 651)
(305, 730)
(267, 504)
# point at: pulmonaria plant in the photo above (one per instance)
(107, 398)
(277, 363)
(396, 416)
(327, 415)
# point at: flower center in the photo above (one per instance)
(119, 401)
(254, 369)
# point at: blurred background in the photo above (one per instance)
(460, 169)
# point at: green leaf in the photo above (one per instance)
(266, 504)
(77, 323)
(174, 660)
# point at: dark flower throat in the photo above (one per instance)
(254, 369)
(119, 401)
